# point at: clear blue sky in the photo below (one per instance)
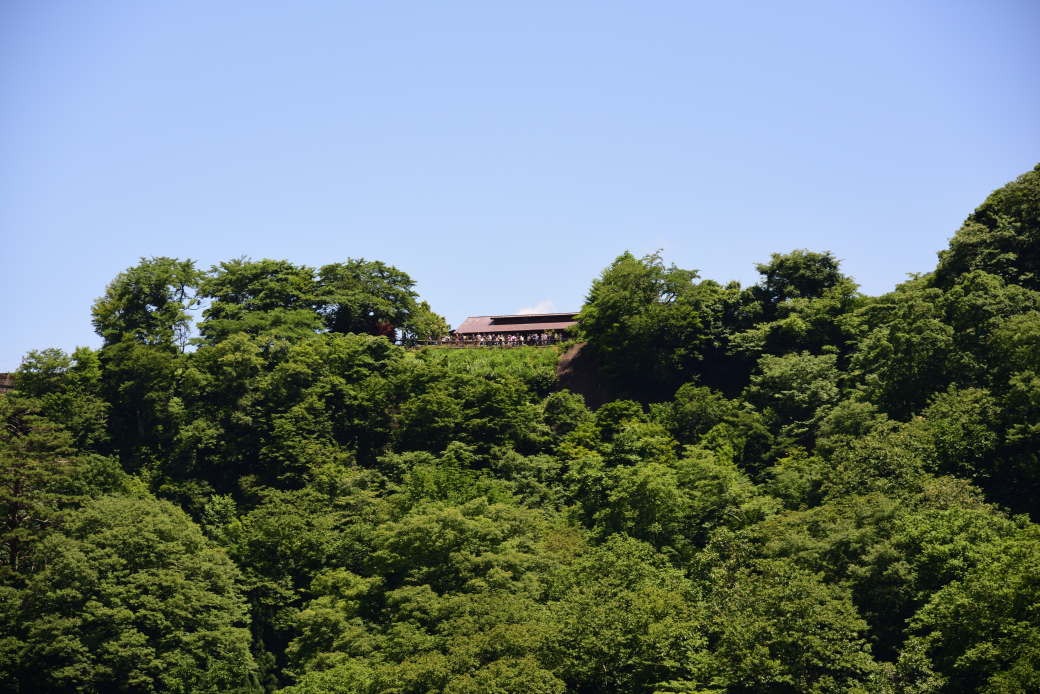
(501, 153)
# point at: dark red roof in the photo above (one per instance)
(528, 322)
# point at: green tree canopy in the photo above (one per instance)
(800, 274)
(1002, 236)
(272, 300)
(639, 316)
(371, 297)
(791, 487)
(148, 303)
(130, 598)
(424, 324)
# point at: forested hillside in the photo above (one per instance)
(793, 488)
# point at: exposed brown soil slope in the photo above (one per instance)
(578, 371)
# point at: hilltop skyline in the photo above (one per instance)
(501, 155)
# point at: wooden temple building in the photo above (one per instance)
(530, 326)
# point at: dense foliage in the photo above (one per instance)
(794, 487)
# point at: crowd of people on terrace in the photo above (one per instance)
(502, 339)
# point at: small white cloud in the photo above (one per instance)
(546, 306)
